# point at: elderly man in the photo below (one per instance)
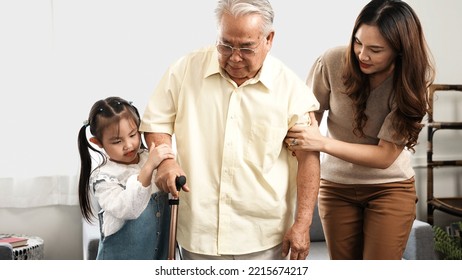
(230, 107)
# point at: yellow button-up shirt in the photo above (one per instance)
(229, 141)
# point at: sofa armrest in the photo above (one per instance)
(6, 251)
(90, 239)
(316, 230)
(420, 245)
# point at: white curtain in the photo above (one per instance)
(38, 191)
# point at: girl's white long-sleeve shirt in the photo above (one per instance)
(119, 194)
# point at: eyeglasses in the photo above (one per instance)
(228, 50)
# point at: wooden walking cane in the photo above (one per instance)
(179, 182)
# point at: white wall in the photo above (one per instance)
(62, 56)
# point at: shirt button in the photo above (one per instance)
(158, 214)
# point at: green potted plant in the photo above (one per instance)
(448, 243)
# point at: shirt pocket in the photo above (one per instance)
(264, 146)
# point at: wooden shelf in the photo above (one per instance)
(446, 125)
(449, 205)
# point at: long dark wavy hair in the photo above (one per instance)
(103, 114)
(413, 73)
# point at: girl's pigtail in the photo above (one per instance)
(85, 171)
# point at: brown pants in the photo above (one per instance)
(370, 222)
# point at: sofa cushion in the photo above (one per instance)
(316, 231)
(6, 251)
(420, 245)
(318, 251)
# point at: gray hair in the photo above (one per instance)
(246, 7)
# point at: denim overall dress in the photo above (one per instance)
(145, 238)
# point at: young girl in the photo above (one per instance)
(375, 93)
(134, 215)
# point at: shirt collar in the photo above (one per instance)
(263, 76)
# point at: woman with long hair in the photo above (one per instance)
(375, 93)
